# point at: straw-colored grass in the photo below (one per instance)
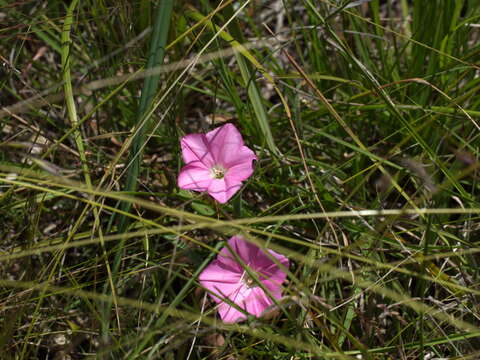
(365, 119)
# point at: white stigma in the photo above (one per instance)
(218, 171)
(247, 280)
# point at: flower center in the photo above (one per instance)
(218, 171)
(248, 281)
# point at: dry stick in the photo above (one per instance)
(34, 129)
(44, 99)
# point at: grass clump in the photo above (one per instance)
(364, 116)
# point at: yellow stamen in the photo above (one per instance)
(218, 171)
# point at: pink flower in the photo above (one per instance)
(225, 277)
(216, 162)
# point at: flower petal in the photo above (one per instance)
(257, 259)
(229, 314)
(224, 278)
(219, 271)
(245, 250)
(257, 302)
(221, 190)
(229, 262)
(269, 270)
(254, 301)
(195, 148)
(243, 156)
(220, 283)
(224, 141)
(239, 297)
(227, 132)
(195, 176)
(239, 173)
(274, 290)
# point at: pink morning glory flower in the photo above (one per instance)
(226, 278)
(216, 162)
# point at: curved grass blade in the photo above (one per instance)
(150, 86)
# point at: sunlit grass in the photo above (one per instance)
(364, 116)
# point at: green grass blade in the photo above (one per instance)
(247, 76)
(150, 86)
